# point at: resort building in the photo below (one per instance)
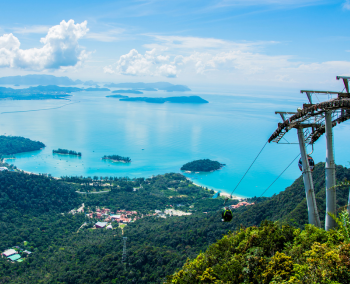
(9, 252)
(101, 224)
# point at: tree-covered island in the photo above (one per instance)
(66, 152)
(10, 145)
(117, 158)
(204, 165)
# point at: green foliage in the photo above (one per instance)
(343, 223)
(156, 247)
(10, 145)
(270, 254)
(204, 165)
(117, 158)
(66, 152)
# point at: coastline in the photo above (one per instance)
(221, 193)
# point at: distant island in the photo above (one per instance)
(179, 100)
(66, 152)
(97, 89)
(164, 86)
(117, 158)
(116, 96)
(10, 145)
(49, 92)
(204, 165)
(128, 92)
(35, 79)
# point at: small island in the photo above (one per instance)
(117, 158)
(204, 165)
(116, 96)
(178, 100)
(66, 152)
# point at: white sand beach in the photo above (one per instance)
(223, 193)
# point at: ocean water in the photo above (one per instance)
(160, 138)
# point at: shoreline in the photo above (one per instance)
(221, 193)
(215, 190)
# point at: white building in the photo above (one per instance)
(115, 217)
(9, 252)
(3, 169)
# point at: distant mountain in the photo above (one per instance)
(97, 89)
(116, 96)
(38, 80)
(42, 92)
(127, 92)
(165, 86)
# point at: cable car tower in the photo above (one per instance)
(311, 121)
(124, 250)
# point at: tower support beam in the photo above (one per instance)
(330, 174)
(314, 218)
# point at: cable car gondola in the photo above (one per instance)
(311, 163)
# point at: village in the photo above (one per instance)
(242, 203)
(120, 217)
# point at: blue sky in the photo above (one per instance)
(272, 43)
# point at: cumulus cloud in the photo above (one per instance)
(60, 49)
(154, 63)
(217, 60)
(151, 64)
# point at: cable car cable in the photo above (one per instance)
(279, 175)
(249, 167)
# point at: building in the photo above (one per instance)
(3, 169)
(101, 224)
(109, 227)
(115, 217)
(9, 252)
(14, 257)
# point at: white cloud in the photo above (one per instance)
(151, 64)
(60, 49)
(218, 61)
(346, 5)
(31, 30)
(197, 43)
(107, 36)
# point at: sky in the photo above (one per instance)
(295, 44)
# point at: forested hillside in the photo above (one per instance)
(10, 145)
(272, 254)
(156, 247)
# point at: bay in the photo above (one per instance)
(159, 138)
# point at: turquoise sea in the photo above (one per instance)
(160, 138)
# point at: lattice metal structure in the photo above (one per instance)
(311, 121)
(124, 249)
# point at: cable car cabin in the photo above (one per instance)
(226, 215)
(311, 163)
